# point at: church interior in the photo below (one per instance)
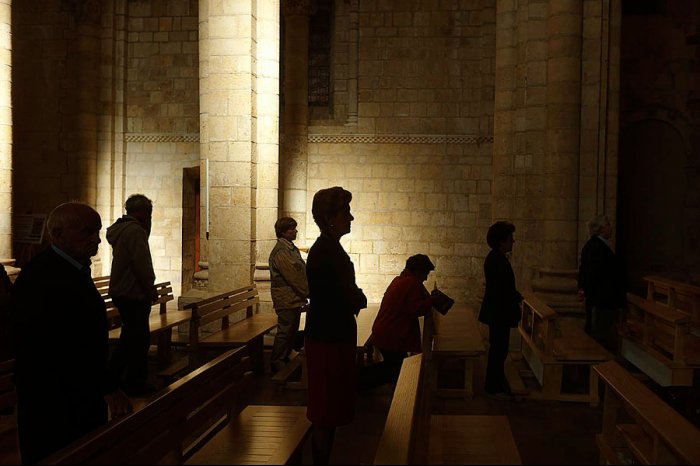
(440, 117)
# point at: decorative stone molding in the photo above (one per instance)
(296, 7)
(139, 137)
(399, 139)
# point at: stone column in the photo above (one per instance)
(267, 137)
(227, 139)
(294, 150)
(5, 130)
(563, 97)
(599, 112)
(555, 280)
(84, 163)
(111, 154)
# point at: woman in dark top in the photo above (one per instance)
(500, 309)
(331, 330)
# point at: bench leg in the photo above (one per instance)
(164, 339)
(256, 349)
(593, 388)
(551, 381)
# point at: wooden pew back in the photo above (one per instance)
(175, 422)
(397, 444)
(658, 340)
(549, 347)
(538, 324)
(638, 425)
(221, 306)
(163, 289)
(659, 329)
(684, 297)
(248, 328)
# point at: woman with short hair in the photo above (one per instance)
(331, 329)
(500, 308)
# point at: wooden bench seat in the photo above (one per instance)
(657, 339)
(174, 423)
(259, 435)
(457, 338)
(640, 427)
(399, 441)
(238, 323)
(550, 348)
(471, 439)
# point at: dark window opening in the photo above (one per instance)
(320, 32)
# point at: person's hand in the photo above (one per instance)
(581, 295)
(119, 404)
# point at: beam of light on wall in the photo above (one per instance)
(206, 195)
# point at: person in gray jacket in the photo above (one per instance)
(289, 290)
(132, 291)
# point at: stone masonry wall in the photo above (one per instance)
(418, 162)
(162, 119)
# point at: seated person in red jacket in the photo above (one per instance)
(396, 330)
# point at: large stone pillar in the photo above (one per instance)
(555, 279)
(84, 161)
(111, 153)
(294, 150)
(227, 140)
(563, 97)
(5, 129)
(267, 138)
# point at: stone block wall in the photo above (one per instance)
(418, 161)
(162, 120)
(407, 199)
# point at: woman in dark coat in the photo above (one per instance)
(500, 309)
(331, 329)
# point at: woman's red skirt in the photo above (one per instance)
(331, 382)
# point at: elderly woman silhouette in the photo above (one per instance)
(331, 329)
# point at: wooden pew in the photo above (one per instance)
(657, 339)
(639, 427)
(161, 324)
(457, 337)
(471, 439)
(413, 436)
(549, 347)
(176, 422)
(684, 297)
(261, 434)
(400, 438)
(237, 322)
